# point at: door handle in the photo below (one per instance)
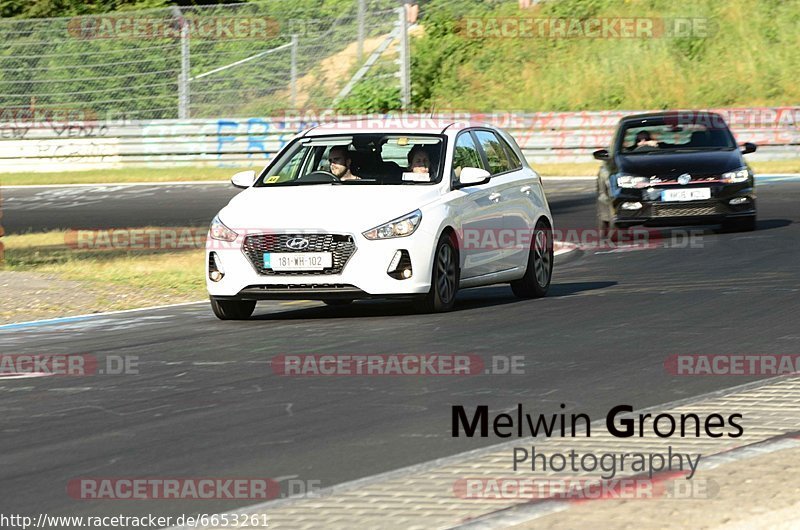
(526, 190)
(494, 197)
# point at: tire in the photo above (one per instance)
(539, 271)
(444, 278)
(603, 227)
(337, 302)
(740, 224)
(606, 230)
(610, 233)
(232, 309)
(603, 231)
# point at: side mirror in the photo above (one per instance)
(472, 176)
(244, 179)
(748, 147)
(601, 154)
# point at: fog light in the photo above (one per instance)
(400, 266)
(215, 270)
(631, 206)
(739, 200)
(395, 261)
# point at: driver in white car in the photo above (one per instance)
(340, 162)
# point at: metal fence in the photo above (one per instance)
(203, 86)
(544, 137)
(198, 62)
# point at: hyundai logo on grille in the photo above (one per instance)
(297, 243)
(684, 179)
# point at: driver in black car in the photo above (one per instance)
(644, 141)
(340, 162)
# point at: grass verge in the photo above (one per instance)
(44, 277)
(94, 176)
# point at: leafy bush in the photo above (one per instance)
(748, 58)
(372, 96)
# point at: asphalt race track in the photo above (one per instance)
(206, 403)
(112, 206)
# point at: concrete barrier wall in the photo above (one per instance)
(546, 137)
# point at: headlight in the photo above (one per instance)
(740, 175)
(400, 227)
(629, 181)
(220, 231)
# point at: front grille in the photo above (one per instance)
(342, 247)
(304, 287)
(672, 180)
(689, 209)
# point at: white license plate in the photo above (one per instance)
(298, 261)
(688, 194)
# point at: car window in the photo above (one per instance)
(660, 134)
(512, 155)
(495, 153)
(465, 155)
(289, 170)
(372, 158)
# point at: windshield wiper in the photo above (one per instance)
(688, 150)
(293, 183)
(668, 150)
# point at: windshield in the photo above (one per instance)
(654, 136)
(359, 159)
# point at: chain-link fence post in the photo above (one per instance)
(362, 8)
(405, 66)
(183, 78)
(293, 72)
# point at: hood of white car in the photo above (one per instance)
(329, 208)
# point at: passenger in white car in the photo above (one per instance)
(419, 161)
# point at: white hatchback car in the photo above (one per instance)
(368, 210)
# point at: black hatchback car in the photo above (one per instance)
(675, 168)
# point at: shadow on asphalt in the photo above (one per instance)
(769, 224)
(558, 290)
(670, 232)
(469, 299)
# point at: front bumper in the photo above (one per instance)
(653, 211)
(363, 276)
(310, 292)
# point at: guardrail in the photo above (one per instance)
(546, 137)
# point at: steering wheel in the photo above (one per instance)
(320, 175)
